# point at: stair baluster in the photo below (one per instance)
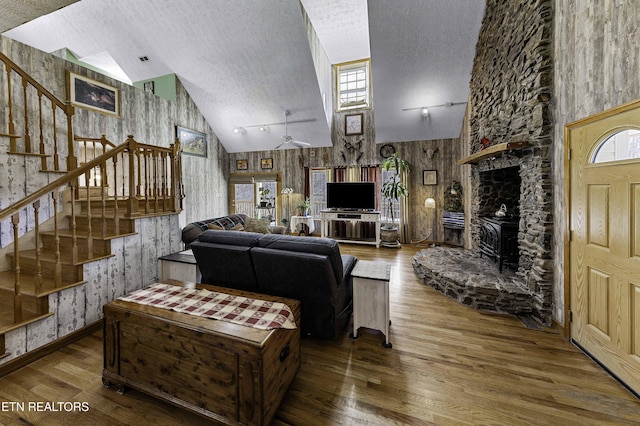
(27, 136)
(147, 178)
(12, 126)
(154, 160)
(17, 292)
(38, 275)
(41, 146)
(56, 157)
(72, 222)
(103, 202)
(89, 217)
(163, 162)
(116, 213)
(57, 275)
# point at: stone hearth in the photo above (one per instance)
(463, 276)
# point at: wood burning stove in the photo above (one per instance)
(499, 240)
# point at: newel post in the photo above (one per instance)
(132, 205)
(72, 160)
(176, 176)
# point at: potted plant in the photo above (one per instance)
(392, 190)
(263, 196)
(303, 206)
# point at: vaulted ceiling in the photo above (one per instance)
(244, 62)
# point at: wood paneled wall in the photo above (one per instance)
(291, 163)
(596, 67)
(151, 120)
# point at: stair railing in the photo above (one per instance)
(151, 183)
(39, 111)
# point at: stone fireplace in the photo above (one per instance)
(508, 133)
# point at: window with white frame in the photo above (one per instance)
(386, 215)
(352, 85)
(318, 195)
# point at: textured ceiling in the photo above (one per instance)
(17, 12)
(421, 56)
(245, 62)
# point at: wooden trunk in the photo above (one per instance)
(231, 373)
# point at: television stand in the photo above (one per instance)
(351, 217)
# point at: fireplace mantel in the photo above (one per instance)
(491, 151)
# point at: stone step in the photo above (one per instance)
(471, 280)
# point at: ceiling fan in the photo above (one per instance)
(286, 139)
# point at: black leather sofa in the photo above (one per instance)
(308, 269)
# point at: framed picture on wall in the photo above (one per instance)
(242, 165)
(429, 177)
(353, 124)
(87, 93)
(192, 142)
(149, 86)
(266, 163)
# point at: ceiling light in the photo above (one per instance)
(264, 128)
(447, 105)
(425, 113)
(239, 131)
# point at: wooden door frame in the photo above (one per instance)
(240, 176)
(567, 198)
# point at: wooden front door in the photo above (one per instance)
(604, 221)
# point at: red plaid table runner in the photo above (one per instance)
(209, 304)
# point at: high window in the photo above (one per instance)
(353, 85)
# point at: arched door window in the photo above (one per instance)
(623, 145)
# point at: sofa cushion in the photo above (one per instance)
(224, 258)
(193, 229)
(256, 225)
(323, 246)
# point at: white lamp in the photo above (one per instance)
(429, 204)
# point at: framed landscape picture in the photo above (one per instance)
(192, 142)
(242, 165)
(87, 93)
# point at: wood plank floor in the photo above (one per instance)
(449, 365)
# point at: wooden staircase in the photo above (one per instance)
(73, 219)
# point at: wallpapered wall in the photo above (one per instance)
(149, 119)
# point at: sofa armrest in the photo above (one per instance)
(348, 263)
(278, 229)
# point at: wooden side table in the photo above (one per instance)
(181, 266)
(371, 297)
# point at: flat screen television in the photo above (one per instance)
(351, 195)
